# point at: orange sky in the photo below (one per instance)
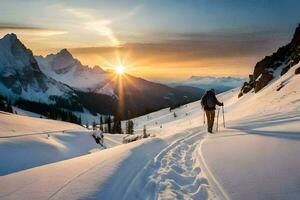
(163, 64)
(155, 39)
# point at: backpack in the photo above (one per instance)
(208, 100)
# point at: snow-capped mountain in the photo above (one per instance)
(140, 96)
(220, 84)
(61, 81)
(65, 68)
(274, 66)
(21, 76)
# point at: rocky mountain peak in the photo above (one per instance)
(296, 37)
(63, 61)
(19, 69)
(10, 37)
(98, 69)
(14, 53)
(64, 53)
(274, 65)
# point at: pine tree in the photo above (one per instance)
(129, 127)
(101, 123)
(108, 122)
(145, 132)
(94, 125)
(117, 123)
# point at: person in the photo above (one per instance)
(209, 102)
(98, 136)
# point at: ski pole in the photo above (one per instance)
(203, 120)
(223, 116)
(218, 120)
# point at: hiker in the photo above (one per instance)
(98, 136)
(209, 102)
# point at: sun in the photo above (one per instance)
(120, 69)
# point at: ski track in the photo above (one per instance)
(174, 173)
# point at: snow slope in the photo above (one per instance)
(98, 175)
(27, 142)
(254, 157)
(15, 125)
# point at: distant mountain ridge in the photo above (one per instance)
(61, 82)
(220, 84)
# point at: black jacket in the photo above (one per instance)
(216, 102)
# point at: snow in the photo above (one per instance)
(27, 142)
(17, 63)
(66, 69)
(15, 125)
(254, 157)
(20, 111)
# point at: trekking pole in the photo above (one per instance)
(203, 120)
(218, 120)
(223, 116)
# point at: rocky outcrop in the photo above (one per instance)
(19, 69)
(297, 71)
(274, 65)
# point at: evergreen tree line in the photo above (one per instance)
(51, 111)
(5, 105)
(109, 125)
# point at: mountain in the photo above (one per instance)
(65, 68)
(274, 66)
(190, 89)
(220, 84)
(95, 85)
(21, 76)
(58, 86)
(142, 96)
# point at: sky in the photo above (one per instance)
(166, 39)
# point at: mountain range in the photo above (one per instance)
(61, 82)
(220, 84)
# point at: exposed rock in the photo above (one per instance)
(284, 58)
(297, 71)
(285, 70)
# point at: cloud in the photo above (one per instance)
(189, 53)
(28, 30)
(197, 46)
(101, 26)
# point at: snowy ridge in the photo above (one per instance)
(207, 82)
(21, 76)
(64, 68)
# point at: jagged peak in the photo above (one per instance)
(296, 37)
(98, 69)
(10, 43)
(10, 40)
(65, 53)
(10, 36)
